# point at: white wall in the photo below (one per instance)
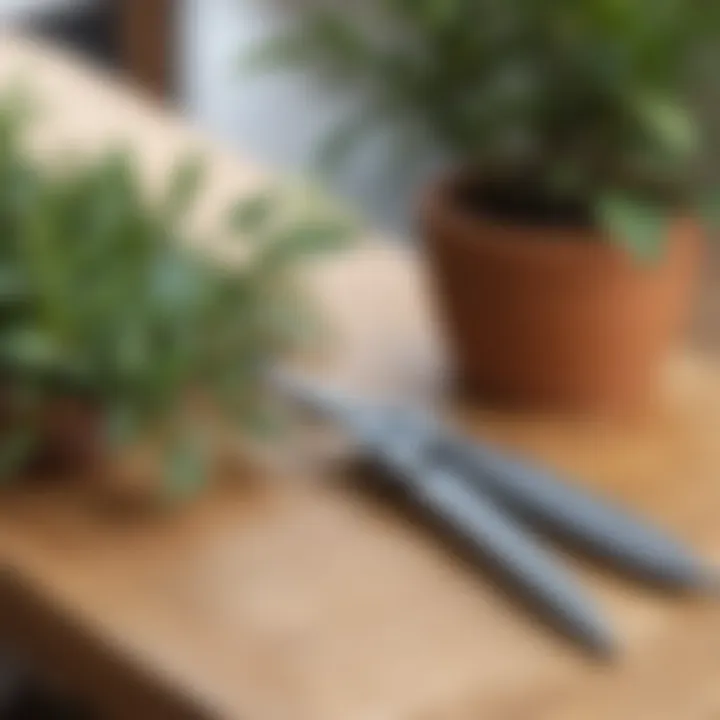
(18, 11)
(277, 119)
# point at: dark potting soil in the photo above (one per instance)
(518, 202)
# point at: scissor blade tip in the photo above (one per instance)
(601, 645)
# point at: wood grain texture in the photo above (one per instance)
(292, 592)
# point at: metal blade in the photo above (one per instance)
(394, 440)
(483, 525)
(592, 523)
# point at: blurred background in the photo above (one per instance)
(279, 118)
(191, 52)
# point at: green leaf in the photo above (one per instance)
(304, 241)
(177, 285)
(32, 349)
(639, 226)
(13, 287)
(16, 448)
(670, 123)
(252, 215)
(133, 352)
(184, 187)
(438, 13)
(186, 471)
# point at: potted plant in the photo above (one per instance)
(564, 238)
(115, 327)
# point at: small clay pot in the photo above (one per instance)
(70, 437)
(554, 316)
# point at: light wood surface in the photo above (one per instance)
(296, 594)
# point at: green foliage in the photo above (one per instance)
(587, 98)
(642, 225)
(103, 295)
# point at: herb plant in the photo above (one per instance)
(103, 296)
(587, 102)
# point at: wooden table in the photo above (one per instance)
(298, 595)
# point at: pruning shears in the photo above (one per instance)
(498, 505)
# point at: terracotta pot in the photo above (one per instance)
(72, 439)
(554, 318)
(70, 435)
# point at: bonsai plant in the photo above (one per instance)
(564, 238)
(115, 327)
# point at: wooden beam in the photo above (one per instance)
(148, 42)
